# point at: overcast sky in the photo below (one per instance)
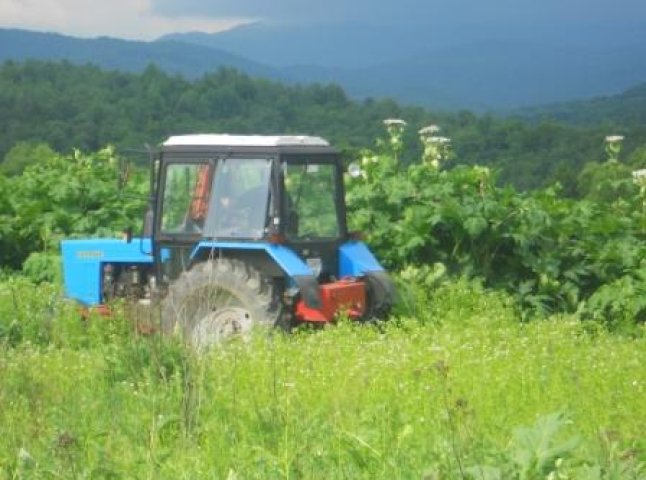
(148, 19)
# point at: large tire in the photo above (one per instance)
(380, 296)
(216, 299)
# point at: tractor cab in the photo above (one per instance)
(239, 190)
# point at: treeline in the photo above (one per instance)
(623, 110)
(62, 106)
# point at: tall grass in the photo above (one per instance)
(463, 390)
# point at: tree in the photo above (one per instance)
(22, 155)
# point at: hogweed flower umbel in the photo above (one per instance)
(639, 176)
(429, 130)
(613, 147)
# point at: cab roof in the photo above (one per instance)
(226, 140)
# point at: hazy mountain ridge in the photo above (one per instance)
(491, 75)
(111, 53)
(473, 68)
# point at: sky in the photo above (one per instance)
(149, 19)
(130, 19)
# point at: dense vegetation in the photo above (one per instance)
(66, 106)
(61, 196)
(552, 253)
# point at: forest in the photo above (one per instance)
(65, 106)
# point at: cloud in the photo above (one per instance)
(409, 11)
(134, 19)
(147, 19)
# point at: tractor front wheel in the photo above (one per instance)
(217, 299)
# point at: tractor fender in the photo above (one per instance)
(288, 261)
(356, 260)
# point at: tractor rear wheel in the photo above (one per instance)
(380, 296)
(217, 299)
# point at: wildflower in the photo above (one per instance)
(613, 147)
(436, 149)
(639, 176)
(24, 457)
(354, 170)
(429, 130)
(482, 171)
(440, 140)
(395, 122)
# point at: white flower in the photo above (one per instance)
(639, 178)
(429, 130)
(482, 171)
(614, 138)
(440, 140)
(25, 457)
(391, 122)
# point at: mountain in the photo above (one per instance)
(359, 45)
(478, 67)
(342, 45)
(133, 56)
(411, 67)
(496, 75)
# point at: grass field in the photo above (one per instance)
(460, 390)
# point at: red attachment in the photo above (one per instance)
(102, 310)
(347, 295)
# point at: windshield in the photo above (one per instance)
(224, 198)
(239, 200)
(310, 200)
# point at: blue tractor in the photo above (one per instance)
(241, 231)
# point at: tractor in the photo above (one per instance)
(241, 230)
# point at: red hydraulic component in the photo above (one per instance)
(346, 295)
(101, 310)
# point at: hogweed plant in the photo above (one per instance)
(639, 178)
(395, 128)
(613, 145)
(436, 149)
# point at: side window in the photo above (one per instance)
(310, 201)
(186, 197)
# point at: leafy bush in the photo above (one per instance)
(552, 253)
(43, 267)
(66, 196)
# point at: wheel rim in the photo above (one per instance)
(220, 324)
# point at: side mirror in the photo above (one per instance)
(354, 170)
